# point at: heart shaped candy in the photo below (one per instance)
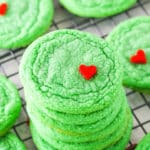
(3, 9)
(87, 71)
(139, 57)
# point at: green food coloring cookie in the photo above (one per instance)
(51, 64)
(66, 136)
(144, 143)
(96, 8)
(85, 129)
(22, 22)
(42, 144)
(11, 142)
(76, 119)
(10, 105)
(131, 40)
(112, 141)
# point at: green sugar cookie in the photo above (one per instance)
(131, 40)
(144, 143)
(50, 67)
(42, 144)
(78, 129)
(109, 112)
(23, 22)
(122, 143)
(96, 145)
(76, 119)
(10, 105)
(58, 134)
(73, 129)
(11, 142)
(96, 8)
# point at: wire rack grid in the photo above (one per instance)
(139, 102)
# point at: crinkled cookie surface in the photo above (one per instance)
(24, 21)
(10, 105)
(127, 38)
(97, 8)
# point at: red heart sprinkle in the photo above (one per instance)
(3, 8)
(139, 57)
(88, 71)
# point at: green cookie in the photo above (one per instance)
(42, 144)
(50, 67)
(77, 119)
(96, 145)
(10, 105)
(96, 8)
(129, 39)
(74, 73)
(116, 124)
(78, 129)
(107, 114)
(11, 142)
(144, 143)
(122, 143)
(23, 22)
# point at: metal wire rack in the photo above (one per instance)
(139, 102)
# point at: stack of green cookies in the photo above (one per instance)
(72, 83)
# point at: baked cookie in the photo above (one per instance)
(117, 140)
(131, 41)
(10, 105)
(42, 144)
(75, 129)
(11, 142)
(67, 136)
(82, 133)
(76, 119)
(52, 72)
(144, 143)
(70, 74)
(21, 23)
(97, 8)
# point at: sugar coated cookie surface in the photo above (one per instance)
(22, 22)
(10, 105)
(96, 8)
(131, 40)
(11, 142)
(52, 71)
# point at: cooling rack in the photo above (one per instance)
(139, 102)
